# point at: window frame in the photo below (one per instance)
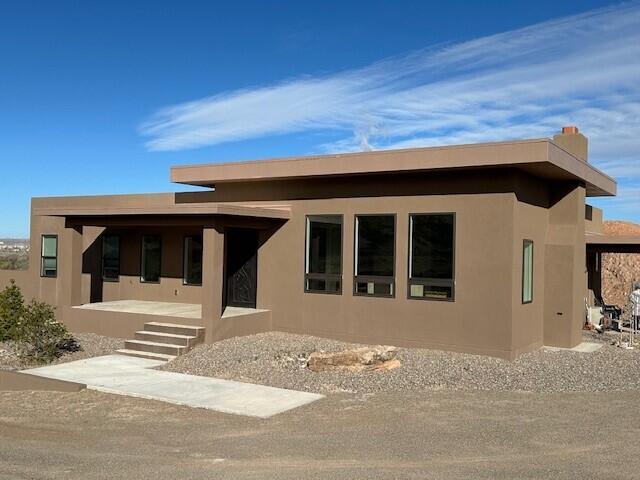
(373, 278)
(43, 257)
(436, 282)
(525, 243)
(323, 276)
(109, 279)
(142, 279)
(185, 282)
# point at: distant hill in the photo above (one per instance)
(619, 227)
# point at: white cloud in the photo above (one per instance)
(583, 70)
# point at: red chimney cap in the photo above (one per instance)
(569, 130)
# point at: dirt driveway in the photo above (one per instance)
(452, 435)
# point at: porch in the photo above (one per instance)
(596, 245)
(123, 266)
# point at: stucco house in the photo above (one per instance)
(476, 248)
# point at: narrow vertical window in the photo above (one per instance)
(151, 262)
(111, 258)
(323, 260)
(527, 271)
(192, 260)
(431, 256)
(375, 255)
(49, 256)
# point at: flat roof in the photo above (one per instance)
(151, 204)
(539, 157)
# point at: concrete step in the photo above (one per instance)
(175, 329)
(149, 355)
(155, 347)
(170, 338)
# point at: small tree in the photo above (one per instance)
(11, 310)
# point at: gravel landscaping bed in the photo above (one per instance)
(279, 359)
(91, 345)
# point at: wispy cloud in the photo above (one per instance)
(583, 69)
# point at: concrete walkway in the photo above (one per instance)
(132, 376)
(584, 347)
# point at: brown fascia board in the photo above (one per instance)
(539, 157)
(146, 204)
(600, 239)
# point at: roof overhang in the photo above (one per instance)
(613, 243)
(189, 209)
(539, 157)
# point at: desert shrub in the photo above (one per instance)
(11, 310)
(41, 338)
(38, 336)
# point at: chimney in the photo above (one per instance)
(573, 142)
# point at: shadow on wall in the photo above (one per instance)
(130, 254)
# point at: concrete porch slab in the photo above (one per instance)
(584, 347)
(237, 311)
(167, 309)
(134, 377)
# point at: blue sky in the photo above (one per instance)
(104, 97)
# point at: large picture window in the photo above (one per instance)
(375, 255)
(111, 258)
(151, 261)
(323, 260)
(431, 256)
(49, 256)
(192, 260)
(527, 271)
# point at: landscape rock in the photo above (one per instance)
(356, 359)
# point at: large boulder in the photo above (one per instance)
(380, 357)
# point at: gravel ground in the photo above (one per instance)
(279, 359)
(445, 435)
(91, 345)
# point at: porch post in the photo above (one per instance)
(70, 267)
(212, 279)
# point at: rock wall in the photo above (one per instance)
(619, 270)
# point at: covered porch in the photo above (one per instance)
(596, 245)
(201, 267)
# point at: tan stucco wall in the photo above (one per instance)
(477, 321)
(17, 381)
(22, 279)
(530, 223)
(593, 219)
(565, 268)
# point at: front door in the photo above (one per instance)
(241, 267)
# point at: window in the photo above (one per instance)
(151, 258)
(323, 263)
(192, 266)
(111, 258)
(375, 255)
(527, 271)
(49, 260)
(431, 256)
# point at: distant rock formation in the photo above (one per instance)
(619, 270)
